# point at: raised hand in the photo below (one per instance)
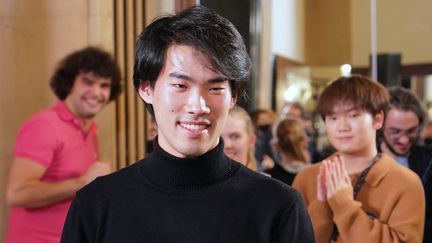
(337, 177)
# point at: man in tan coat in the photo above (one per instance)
(358, 194)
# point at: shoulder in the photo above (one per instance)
(308, 174)
(394, 173)
(420, 152)
(266, 187)
(110, 185)
(40, 120)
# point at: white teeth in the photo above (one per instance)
(194, 127)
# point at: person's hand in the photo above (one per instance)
(336, 176)
(99, 168)
(267, 162)
(321, 183)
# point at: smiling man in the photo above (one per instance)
(358, 194)
(190, 69)
(405, 119)
(56, 150)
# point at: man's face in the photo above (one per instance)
(401, 131)
(290, 111)
(352, 131)
(191, 102)
(89, 94)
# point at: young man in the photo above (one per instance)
(56, 151)
(189, 70)
(358, 194)
(405, 119)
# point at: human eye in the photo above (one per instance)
(330, 117)
(217, 89)
(87, 81)
(394, 131)
(353, 114)
(413, 131)
(179, 86)
(234, 136)
(105, 85)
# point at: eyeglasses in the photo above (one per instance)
(395, 133)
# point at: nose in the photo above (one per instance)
(404, 139)
(96, 89)
(343, 124)
(197, 104)
(227, 142)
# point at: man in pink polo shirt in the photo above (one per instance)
(56, 151)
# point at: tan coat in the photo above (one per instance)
(392, 194)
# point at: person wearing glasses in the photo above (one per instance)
(358, 194)
(405, 119)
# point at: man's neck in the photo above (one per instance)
(356, 163)
(85, 122)
(388, 150)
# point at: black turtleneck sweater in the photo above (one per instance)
(209, 198)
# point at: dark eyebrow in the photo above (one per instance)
(217, 79)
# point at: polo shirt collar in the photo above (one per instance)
(65, 114)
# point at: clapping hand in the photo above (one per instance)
(332, 177)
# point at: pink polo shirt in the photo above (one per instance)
(53, 138)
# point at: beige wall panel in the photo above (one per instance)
(403, 26)
(101, 34)
(328, 39)
(360, 33)
(406, 27)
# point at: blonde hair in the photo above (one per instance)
(290, 136)
(241, 114)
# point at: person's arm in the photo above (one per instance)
(78, 226)
(319, 210)
(26, 189)
(406, 209)
(403, 226)
(296, 225)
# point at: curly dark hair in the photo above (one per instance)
(89, 59)
(202, 29)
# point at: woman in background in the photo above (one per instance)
(239, 138)
(291, 143)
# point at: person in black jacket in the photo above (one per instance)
(405, 119)
(190, 69)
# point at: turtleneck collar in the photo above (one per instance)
(187, 174)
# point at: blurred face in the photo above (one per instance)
(191, 102)
(352, 131)
(238, 142)
(401, 131)
(89, 94)
(290, 111)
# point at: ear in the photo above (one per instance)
(145, 92)
(252, 140)
(379, 120)
(233, 102)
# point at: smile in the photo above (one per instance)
(194, 127)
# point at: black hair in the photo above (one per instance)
(89, 59)
(202, 29)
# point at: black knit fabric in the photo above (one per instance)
(209, 198)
